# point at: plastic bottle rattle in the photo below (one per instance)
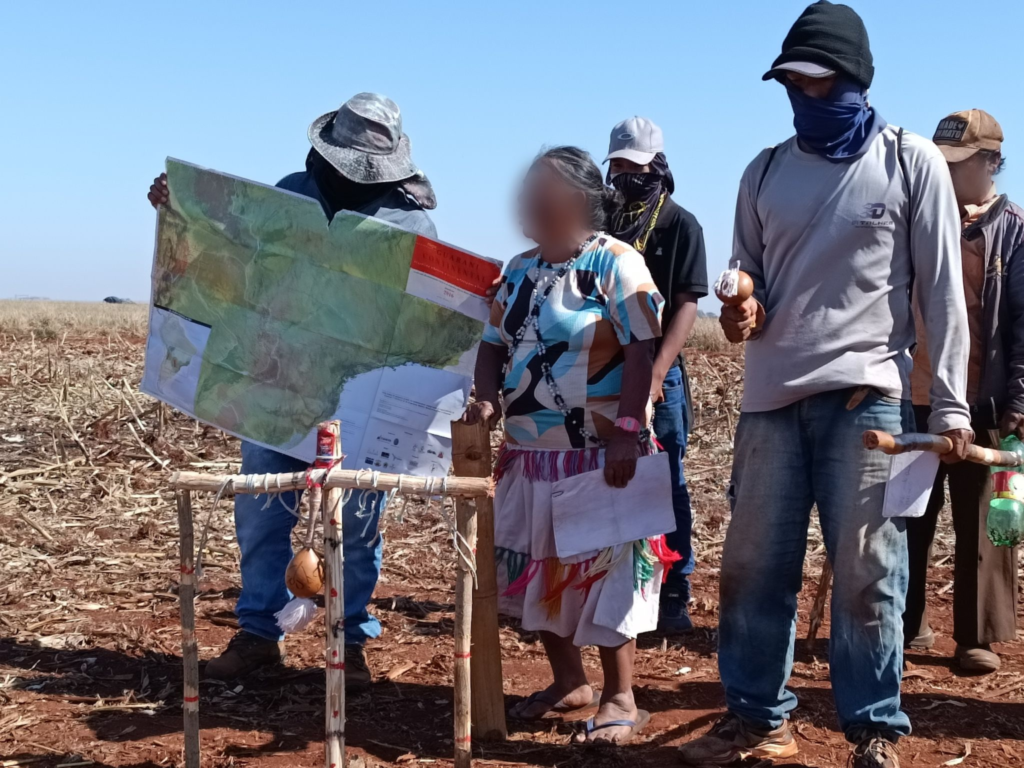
(1005, 520)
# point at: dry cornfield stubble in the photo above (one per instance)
(89, 639)
(53, 319)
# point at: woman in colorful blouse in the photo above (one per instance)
(569, 347)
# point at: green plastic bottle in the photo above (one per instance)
(1005, 522)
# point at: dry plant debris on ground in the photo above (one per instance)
(90, 658)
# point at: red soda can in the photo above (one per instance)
(328, 444)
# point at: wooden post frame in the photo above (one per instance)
(465, 524)
(471, 457)
(229, 485)
(476, 628)
(189, 648)
(334, 605)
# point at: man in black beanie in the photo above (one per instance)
(833, 225)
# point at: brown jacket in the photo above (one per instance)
(1000, 231)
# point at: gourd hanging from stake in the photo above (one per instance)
(304, 576)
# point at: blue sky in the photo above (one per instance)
(94, 96)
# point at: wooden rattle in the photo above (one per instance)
(734, 287)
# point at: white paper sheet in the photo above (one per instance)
(911, 478)
(588, 514)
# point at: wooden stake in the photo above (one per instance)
(334, 604)
(465, 524)
(189, 648)
(472, 458)
(818, 608)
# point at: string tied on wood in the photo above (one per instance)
(206, 529)
(466, 553)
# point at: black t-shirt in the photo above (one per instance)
(675, 255)
(678, 263)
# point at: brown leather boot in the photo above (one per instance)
(245, 653)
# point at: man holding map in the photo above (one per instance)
(360, 162)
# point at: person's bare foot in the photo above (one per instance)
(621, 706)
(553, 699)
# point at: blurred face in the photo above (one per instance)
(815, 87)
(972, 178)
(549, 207)
(619, 165)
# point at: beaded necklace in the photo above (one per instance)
(533, 320)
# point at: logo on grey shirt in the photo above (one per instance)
(873, 216)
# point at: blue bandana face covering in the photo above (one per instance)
(839, 127)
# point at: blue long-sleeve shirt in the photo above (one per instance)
(394, 207)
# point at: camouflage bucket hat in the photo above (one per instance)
(363, 140)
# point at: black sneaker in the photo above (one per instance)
(357, 671)
(731, 740)
(875, 751)
(674, 611)
(245, 653)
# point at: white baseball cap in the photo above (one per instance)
(805, 68)
(637, 140)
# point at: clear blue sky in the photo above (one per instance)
(94, 96)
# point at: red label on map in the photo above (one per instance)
(461, 269)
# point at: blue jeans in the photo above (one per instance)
(785, 462)
(672, 431)
(264, 537)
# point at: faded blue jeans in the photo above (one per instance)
(785, 462)
(672, 431)
(264, 537)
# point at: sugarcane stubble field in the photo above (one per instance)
(90, 655)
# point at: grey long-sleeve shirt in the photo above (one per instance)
(827, 247)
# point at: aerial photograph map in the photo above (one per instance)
(268, 319)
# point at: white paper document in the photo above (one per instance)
(911, 478)
(588, 514)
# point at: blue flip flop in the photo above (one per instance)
(643, 717)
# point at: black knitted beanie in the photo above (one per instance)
(831, 35)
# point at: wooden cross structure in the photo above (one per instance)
(479, 700)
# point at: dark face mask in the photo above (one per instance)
(837, 127)
(637, 186)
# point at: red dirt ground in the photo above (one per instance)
(90, 669)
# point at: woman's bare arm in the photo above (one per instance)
(490, 359)
(623, 449)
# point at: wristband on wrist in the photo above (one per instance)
(628, 424)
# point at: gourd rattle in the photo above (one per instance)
(734, 286)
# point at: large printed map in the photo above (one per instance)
(266, 320)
